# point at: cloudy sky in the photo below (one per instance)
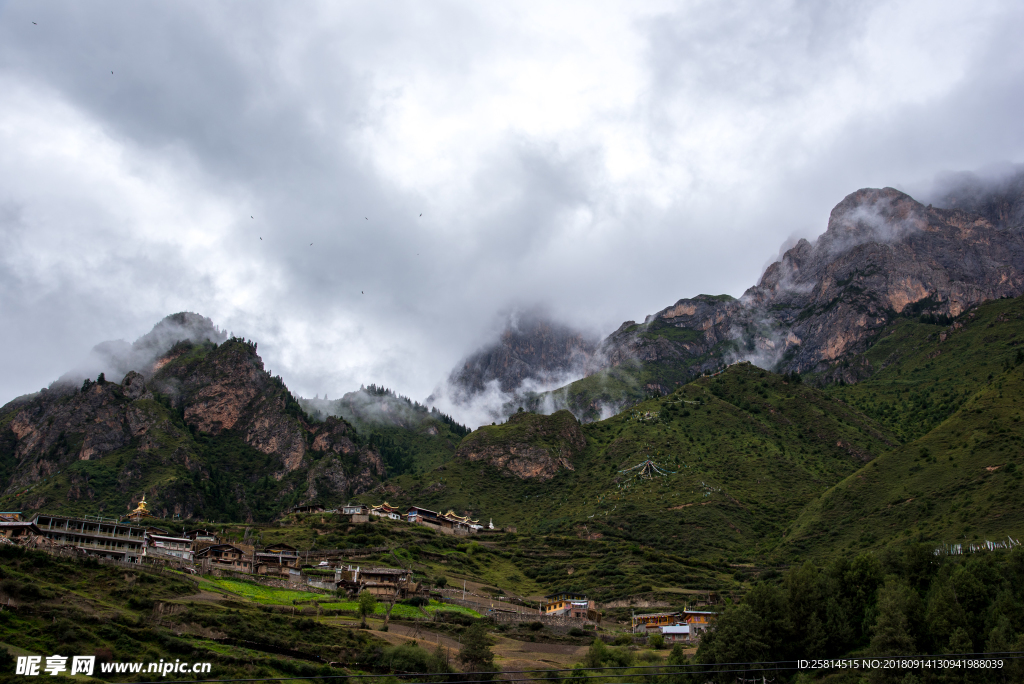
(267, 164)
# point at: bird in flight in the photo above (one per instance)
(362, 292)
(366, 218)
(251, 217)
(261, 238)
(35, 23)
(421, 215)
(310, 244)
(111, 72)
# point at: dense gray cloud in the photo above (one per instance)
(601, 160)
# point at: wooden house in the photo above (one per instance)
(277, 559)
(225, 557)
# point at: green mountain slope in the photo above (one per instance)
(956, 391)
(747, 449)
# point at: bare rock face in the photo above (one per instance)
(883, 255)
(329, 476)
(529, 446)
(133, 385)
(227, 389)
(63, 424)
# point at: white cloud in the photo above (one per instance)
(603, 159)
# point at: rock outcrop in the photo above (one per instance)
(528, 446)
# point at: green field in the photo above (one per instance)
(264, 594)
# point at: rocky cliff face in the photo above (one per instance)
(200, 428)
(528, 446)
(883, 255)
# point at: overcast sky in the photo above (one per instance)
(599, 159)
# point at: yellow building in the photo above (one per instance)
(570, 605)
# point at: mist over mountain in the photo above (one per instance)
(999, 197)
(532, 354)
(883, 255)
(115, 358)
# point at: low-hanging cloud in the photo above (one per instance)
(359, 188)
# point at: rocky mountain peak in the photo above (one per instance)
(883, 254)
(530, 348)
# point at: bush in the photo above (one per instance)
(415, 601)
(599, 655)
(412, 658)
(656, 641)
(536, 626)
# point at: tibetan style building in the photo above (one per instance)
(571, 605)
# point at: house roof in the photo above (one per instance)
(217, 547)
(166, 537)
(666, 614)
(675, 629)
(421, 510)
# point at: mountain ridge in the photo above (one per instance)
(882, 256)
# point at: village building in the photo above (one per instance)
(415, 514)
(277, 559)
(97, 536)
(10, 516)
(384, 583)
(386, 510)
(695, 622)
(201, 536)
(571, 605)
(698, 621)
(460, 521)
(167, 546)
(16, 529)
(651, 622)
(676, 634)
(355, 509)
(224, 557)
